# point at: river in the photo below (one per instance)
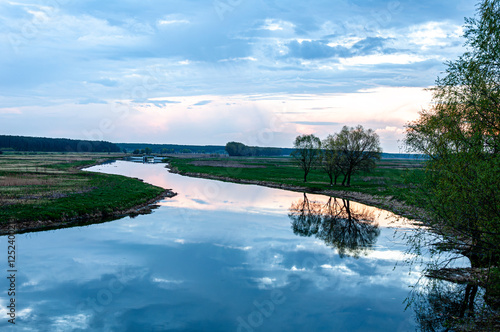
(218, 257)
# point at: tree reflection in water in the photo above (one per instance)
(352, 231)
(446, 306)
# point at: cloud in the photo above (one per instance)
(432, 34)
(166, 56)
(203, 102)
(276, 25)
(163, 102)
(171, 22)
(316, 123)
(248, 58)
(371, 45)
(10, 110)
(106, 82)
(315, 50)
(320, 49)
(91, 101)
(378, 59)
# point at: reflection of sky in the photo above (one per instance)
(206, 260)
(202, 195)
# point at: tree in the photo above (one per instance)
(148, 150)
(306, 152)
(360, 150)
(461, 135)
(331, 159)
(440, 305)
(240, 149)
(237, 149)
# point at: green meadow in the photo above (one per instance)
(389, 179)
(52, 186)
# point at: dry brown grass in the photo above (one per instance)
(26, 179)
(29, 179)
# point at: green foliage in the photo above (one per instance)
(493, 287)
(460, 189)
(441, 306)
(165, 151)
(241, 150)
(307, 152)
(24, 143)
(237, 149)
(172, 148)
(332, 159)
(50, 187)
(347, 152)
(461, 136)
(385, 180)
(359, 149)
(110, 193)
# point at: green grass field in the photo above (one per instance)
(52, 187)
(388, 179)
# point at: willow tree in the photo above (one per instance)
(332, 159)
(307, 152)
(359, 149)
(461, 135)
(460, 189)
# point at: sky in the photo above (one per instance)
(209, 72)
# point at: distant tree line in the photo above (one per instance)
(141, 148)
(44, 144)
(345, 153)
(148, 150)
(142, 151)
(242, 150)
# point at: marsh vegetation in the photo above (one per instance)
(40, 189)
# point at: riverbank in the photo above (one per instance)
(385, 203)
(383, 188)
(46, 191)
(386, 188)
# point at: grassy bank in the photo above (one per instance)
(384, 186)
(44, 189)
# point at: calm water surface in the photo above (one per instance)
(217, 257)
